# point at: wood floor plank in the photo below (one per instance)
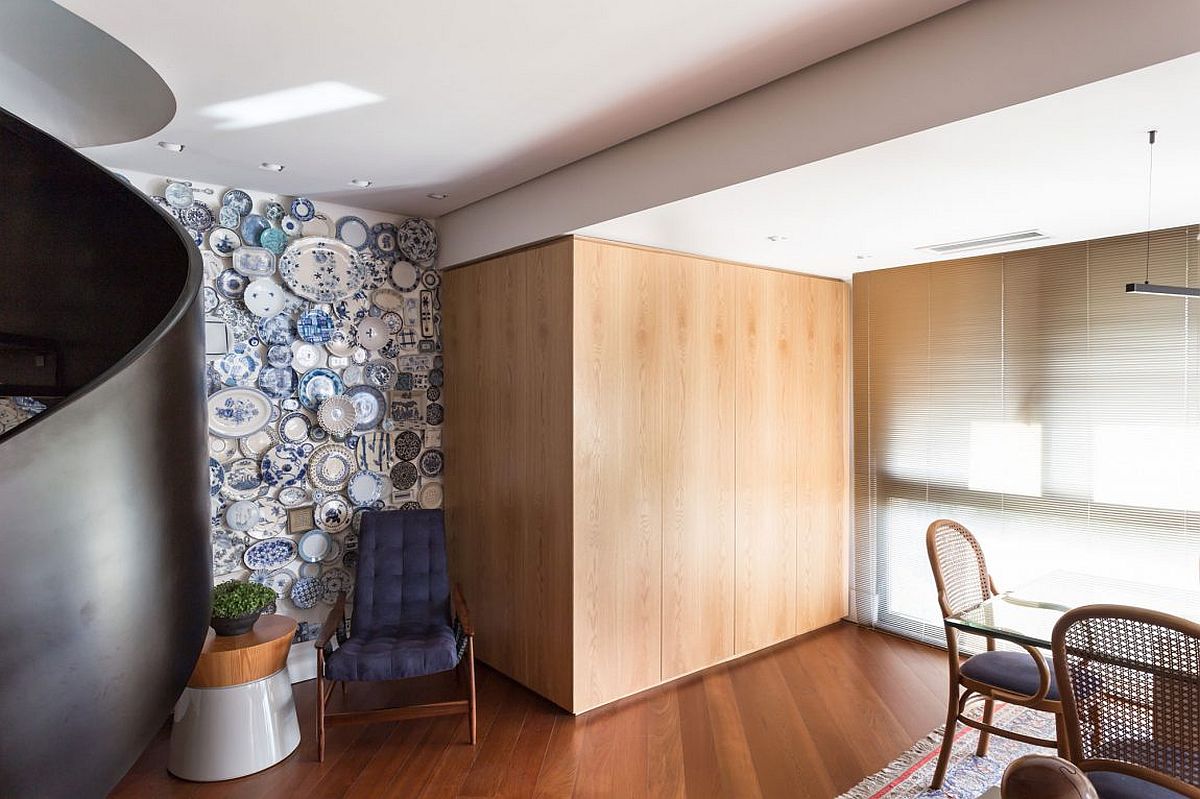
(808, 718)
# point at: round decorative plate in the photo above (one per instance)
(271, 518)
(263, 297)
(314, 545)
(307, 356)
(208, 296)
(227, 554)
(373, 333)
(334, 514)
(434, 413)
(321, 269)
(381, 374)
(365, 487)
(310, 570)
(238, 200)
(255, 444)
(253, 261)
(303, 209)
(285, 465)
(383, 241)
(353, 375)
(197, 217)
(278, 581)
(274, 211)
(341, 342)
(318, 385)
(334, 553)
(334, 580)
(243, 479)
(231, 284)
(431, 462)
(273, 239)
(417, 240)
(229, 217)
(306, 592)
(239, 366)
(292, 496)
(293, 428)
(291, 226)
(269, 555)
(223, 241)
(436, 377)
(277, 382)
(430, 495)
(216, 476)
(279, 355)
(240, 516)
(369, 406)
(354, 232)
(405, 275)
(221, 448)
(337, 415)
(431, 278)
(407, 445)
(404, 476)
(238, 412)
(179, 195)
(276, 329)
(330, 467)
(252, 228)
(315, 326)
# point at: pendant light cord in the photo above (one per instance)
(1149, 199)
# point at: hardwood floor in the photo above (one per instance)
(808, 718)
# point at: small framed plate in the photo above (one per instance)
(301, 519)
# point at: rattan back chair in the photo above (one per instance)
(1130, 680)
(963, 582)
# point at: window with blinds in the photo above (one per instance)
(1029, 397)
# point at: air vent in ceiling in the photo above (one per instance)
(987, 241)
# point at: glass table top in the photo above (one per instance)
(1028, 614)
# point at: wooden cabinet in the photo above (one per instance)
(646, 461)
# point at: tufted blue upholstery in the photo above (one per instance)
(401, 622)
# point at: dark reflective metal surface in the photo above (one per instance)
(104, 546)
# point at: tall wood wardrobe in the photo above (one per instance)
(646, 458)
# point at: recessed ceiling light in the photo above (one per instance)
(436, 196)
(271, 167)
(777, 237)
(172, 146)
(297, 102)
(362, 184)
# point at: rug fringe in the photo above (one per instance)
(877, 782)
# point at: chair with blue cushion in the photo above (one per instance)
(1130, 680)
(406, 621)
(1018, 678)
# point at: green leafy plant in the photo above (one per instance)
(238, 597)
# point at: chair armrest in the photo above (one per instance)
(461, 612)
(337, 614)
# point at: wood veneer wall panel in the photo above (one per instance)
(766, 456)
(506, 332)
(698, 438)
(617, 474)
(822, 591)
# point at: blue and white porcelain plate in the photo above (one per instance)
(277, 382)
(341, 342)
(354, 231)
(197, 217)
(228, 217)
(264, 297)
(285, 465)
(370, 406)
(240, 516)
(231, 284)
(381, 374)
(291, 226)
(314, 545)
(431, 462)
(210, 299)
(330, 467)
(278, 581)
(238, 200)
(243, 480)
(291, 496)
(269, 555)
(365, 487)
(274, 240)
(293, 428)
(318, 385)
(226, 554)
(276, 330)
(238, 412)
(279, 355)
(334, 514)
(405, 275)
(274, 211)
(216, 476)
(373, 452)
(179, 195)
(252, 228)
(306, 592)
(417, 240)
(315, 326)
(407, 445)
(322, 269)
(383, 241)
(223, 241)
(303, 209)
(335, 579)
(306, 357)
(254, 261)
(239, 367)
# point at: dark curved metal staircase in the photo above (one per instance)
(105, 566)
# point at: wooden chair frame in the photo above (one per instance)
(965, 692)
(466, 664)
(1071, 712)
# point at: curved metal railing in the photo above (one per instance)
(105, 566)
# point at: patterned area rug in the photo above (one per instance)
(968, 776)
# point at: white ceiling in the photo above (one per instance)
(1072, 164)
(476, 97)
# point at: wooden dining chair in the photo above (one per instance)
(1018, 678)
(1130, 681)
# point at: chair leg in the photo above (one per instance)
(939, 773)
(988, 707)
(471, 685)
(320, 706)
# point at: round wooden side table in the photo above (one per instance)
(237, 715)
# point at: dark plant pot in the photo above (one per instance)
(235, 625)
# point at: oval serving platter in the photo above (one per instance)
(238, 412)
(271, 554)
(322, 269)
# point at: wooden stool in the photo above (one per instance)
(237, 715)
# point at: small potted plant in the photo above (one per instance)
(237, 604)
